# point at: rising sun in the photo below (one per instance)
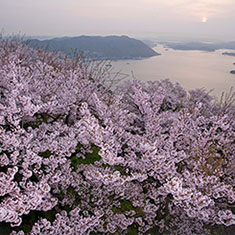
(204, 19)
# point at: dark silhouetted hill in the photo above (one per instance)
(110, 47)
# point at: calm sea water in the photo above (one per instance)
(192, 69)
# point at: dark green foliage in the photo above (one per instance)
(155, 231)
(96, 233)
(45, 117)
(40, 118)
(45, 154)
(127, 206)
(133, 229)
(5, 228)
(3, 168)
(220, 229)
(34, 178)
(121, 169)
(30, 219)
(33, 124)
(72, 192)
(74, 162)
(90, 158)
(18, 177)
(78, 147)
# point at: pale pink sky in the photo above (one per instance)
(76, 17)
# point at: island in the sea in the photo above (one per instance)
(201, 46)
(229, 53)
(97, 47)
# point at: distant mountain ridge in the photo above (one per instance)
(109, 47)
(202, 46)
(228, 53)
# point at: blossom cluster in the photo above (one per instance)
(77, 158)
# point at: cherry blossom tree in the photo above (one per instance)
(77, 158)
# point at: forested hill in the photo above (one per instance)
(110, 47)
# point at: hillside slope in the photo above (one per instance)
(110, 47)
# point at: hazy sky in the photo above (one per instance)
(76, 17)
